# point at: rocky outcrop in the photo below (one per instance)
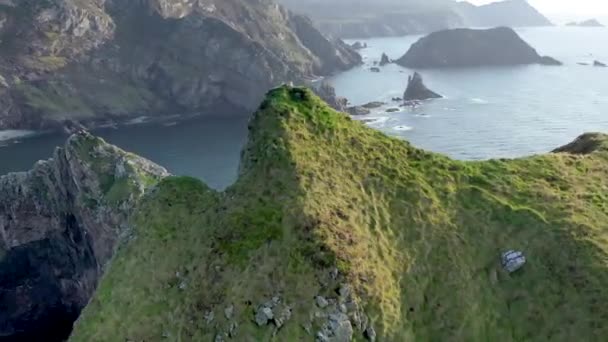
(599, 64)
(59, 225)
(89, 61)
(471, 48)
(512, 13)
(586, 23)
(384, 60)
(416, 90)
(328, 94)
(586, 144)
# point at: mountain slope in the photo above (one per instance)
(361, 19)
(337, 232)
(98, 60)
(512, 13)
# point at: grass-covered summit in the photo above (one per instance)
(336, 232)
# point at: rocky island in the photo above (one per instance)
(472, 48)
(586, 23)
(91, 61)
(333, 232)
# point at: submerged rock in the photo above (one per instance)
(472, 48)
(416, 90)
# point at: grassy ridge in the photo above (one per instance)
(416, 235)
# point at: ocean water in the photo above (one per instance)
(491, 112)
(207, 148)
(487, 112)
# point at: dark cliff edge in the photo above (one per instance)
(98, 61)
(499, 46)
(59, 225)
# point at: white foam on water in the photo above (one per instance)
(479, 101)
(136, 121)
(403, 128)
(377, 120)
(14, 133)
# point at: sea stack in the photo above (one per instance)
(384, 60)
(416, 90)
(472, 48)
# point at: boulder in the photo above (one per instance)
(384, 60)
(374, 69)
(472, 48)
(416, 90)
(373, 104)
(392, 110)
(357, 110)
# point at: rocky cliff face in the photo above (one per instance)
(472, 48)
(97, 60)
(59, 225)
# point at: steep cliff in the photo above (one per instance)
(98, 60)
(336, 232)
(59, 225)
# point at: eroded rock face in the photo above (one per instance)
(59, 225)
(328, 94)
(472, 48)
(416, 90)
(89, 60)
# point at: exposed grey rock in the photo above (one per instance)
(374, 69)
(370, 334)
(345, 291)
(357, 110)
(263, 316)
(341, 327)
(229, 311)
(472, 48)
(358, 45)
(392, 110)
(374, 104)
(233, 329)
(416, 90)
(321, 302)
(60, 223)
(328, 94)
(282, 316)
(599, 64)
(209, 317)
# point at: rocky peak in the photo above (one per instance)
(416, 90)
(59, 225)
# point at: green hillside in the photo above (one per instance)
(399, 243)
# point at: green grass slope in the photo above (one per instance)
(404, 243)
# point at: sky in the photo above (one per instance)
(563, 10)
